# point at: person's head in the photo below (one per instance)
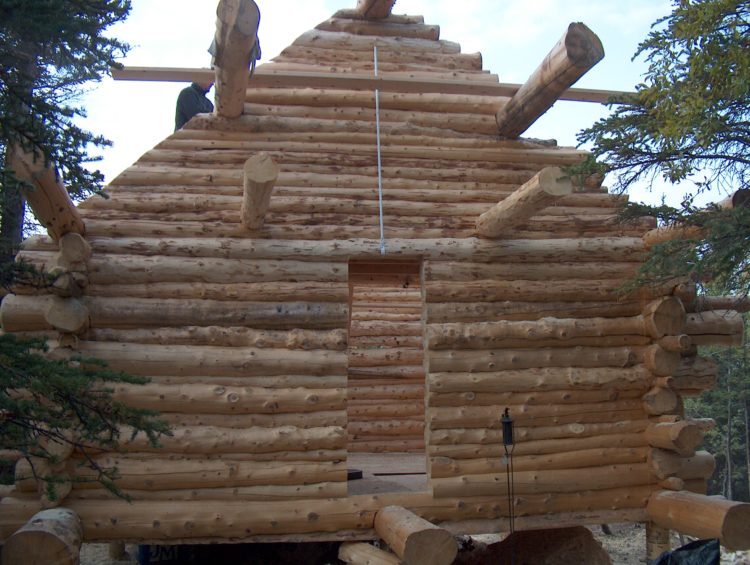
(205, 84)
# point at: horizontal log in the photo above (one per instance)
(213, 440)
(149, 360)
(737, 303)
(501, 359)
(682, 437)
(414, 539)
(548, 481)
(385, 410)
(529, 435)
(267, 292)
(541, 379)
(270, 493)
(666, 464)
(671, 233)
(210, 399)
(377, 328)
(386, 445)
(399, 428)
(569, 290)
(467, 271)
(365, 554)
(441, 467)
(386, 29)
(297, 419)
(703, 517)
(721, 322)
(535, 398)
(447, 311)
(385, 357)
(334, 340)
(487, 416)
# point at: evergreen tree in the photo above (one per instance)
(49, 51)
(689, 121)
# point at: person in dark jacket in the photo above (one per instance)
(191, 101)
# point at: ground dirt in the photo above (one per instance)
(626, 546)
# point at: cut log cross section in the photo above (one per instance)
(576, 52)
(50, 537)
(546, 187)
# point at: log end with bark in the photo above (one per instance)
(51, 537)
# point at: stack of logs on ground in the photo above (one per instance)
(223, 267)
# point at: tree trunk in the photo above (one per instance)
(12, 212)
(728, 445)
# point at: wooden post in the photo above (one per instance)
(703, 517)
(366, 554)
(415, 540)
(51, 537)
(375, 9)
(261, 173)
(578, 50)
(49, 200)
(236, 27)
(544, 188)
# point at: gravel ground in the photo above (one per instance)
(626, 546)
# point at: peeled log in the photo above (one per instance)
(661, 400)
(703, 517)
(261, 173)
(375, 9)
(661, 362)
(665, 317)
(576, 52)
(49, 200)
(666, 464)
(365, 554)
(50, 537)
(544, 189)
(670, 233)
(681, 437)
(415, 540)
(721, 322)
(236, 22)
(68, 315)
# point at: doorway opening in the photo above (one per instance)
(386, 382)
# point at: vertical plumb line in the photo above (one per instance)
(380, 161)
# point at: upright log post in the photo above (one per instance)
(50, 537)
(261, 173)
(703, 517)
(415, 540)
(49, 200)
(544, 188)
(375, 9)
(236, 27)
(578, 50)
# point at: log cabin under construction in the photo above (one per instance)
(242, 265)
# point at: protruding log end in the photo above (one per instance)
(415, 540)
(67, 315)
(51, 537)
(661, 362)
(544, 188)
(365, 554)
(703, 516)
(583, 46)
(375, 9)
(664, 317)
(261, 173)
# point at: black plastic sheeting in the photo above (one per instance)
(699, 552)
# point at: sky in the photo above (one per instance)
(512, 35)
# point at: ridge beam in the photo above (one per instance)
(578, 50)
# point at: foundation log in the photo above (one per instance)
(235, 37)
(50, 537)
(703, 517)
(543, 190)
(576, 52)
(365, 554)
(415, 540)
(261, 173)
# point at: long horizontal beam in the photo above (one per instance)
(266, 77)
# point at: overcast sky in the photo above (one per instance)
(512, 35)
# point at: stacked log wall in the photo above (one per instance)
(245, 334)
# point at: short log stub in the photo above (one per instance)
(50, 537)
(261, 173)
(365, 554)
(703, 516)
(415, 540)
(665, 317)
(544, 188)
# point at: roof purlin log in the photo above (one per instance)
(375, 9)
(576, 53)
(234, 40)
(266, 77)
